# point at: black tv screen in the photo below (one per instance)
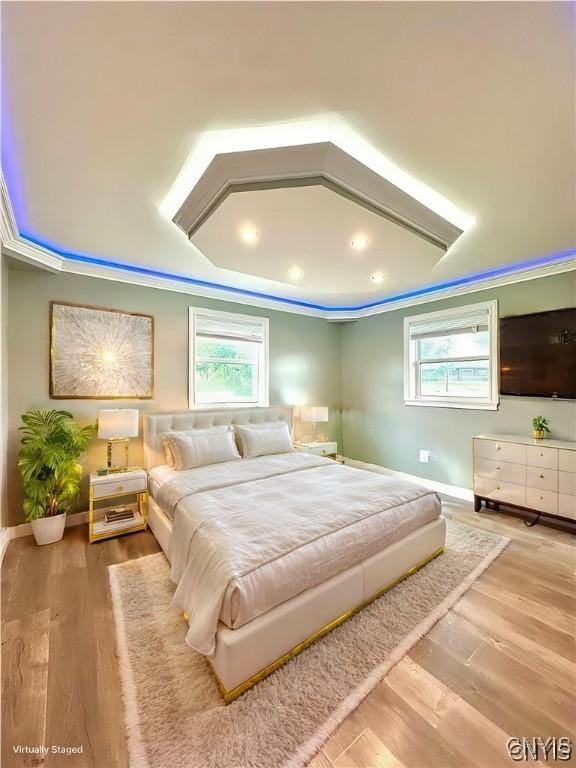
(538, 354)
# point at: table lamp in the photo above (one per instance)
(314, 414)
(117, 425)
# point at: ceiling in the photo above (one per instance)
(104, 102)
(314, 244)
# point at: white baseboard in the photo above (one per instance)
(17, 531)
(466, 494)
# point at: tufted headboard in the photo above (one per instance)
(179, 421)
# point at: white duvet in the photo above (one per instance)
(250, 534)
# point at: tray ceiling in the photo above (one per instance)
(311, 214)
(312, 235)
(103, 103)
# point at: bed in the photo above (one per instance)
(269, 553)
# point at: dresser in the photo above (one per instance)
(538, 475)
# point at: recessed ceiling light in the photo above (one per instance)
(295, 273)
(377, 277)
(249, 235)
(359, 242)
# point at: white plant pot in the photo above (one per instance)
(47, 530)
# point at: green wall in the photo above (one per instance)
(304, 357)
(378, 428)
(3, 385)
(356, 365)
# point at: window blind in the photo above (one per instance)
(221, 327)
(467, 322)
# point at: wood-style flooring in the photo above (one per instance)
(501, 663)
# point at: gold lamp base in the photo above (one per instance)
(109, 444)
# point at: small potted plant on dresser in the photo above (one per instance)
(539, 427)
(52, 443)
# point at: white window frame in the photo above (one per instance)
(263, 359)
(411, 362)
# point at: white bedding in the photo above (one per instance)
(157, 477)
(251, 534)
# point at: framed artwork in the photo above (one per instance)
(100, 354)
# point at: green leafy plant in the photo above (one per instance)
(540, 424)
(52, 443)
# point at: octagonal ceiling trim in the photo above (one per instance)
(318, 164)
(328, 127)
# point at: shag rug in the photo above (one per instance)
(174, 715)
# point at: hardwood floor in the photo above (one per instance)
(501, 663)
(60, 679)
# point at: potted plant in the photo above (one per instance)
(539, 427)
(52, 443)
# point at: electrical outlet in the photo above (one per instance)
(424, 457)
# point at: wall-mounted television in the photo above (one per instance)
(538, 354)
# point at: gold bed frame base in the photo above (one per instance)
(232, 694)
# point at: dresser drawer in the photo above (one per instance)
(500, 491)
(567, 461)
(567, 505)
(538, 477)
(567, 483)
(501, 470)
(135, 485)
(543, 501)
(538, 456)
(500, 451)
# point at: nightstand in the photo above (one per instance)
(117, 486)
(328, 449)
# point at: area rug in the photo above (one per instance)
(174, 715)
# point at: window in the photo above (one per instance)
(228, 359)
(451, 357)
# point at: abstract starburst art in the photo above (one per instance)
(100, 353)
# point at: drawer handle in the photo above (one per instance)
(541, 477)
(541, 454)
(120, 488)
(541, 498)
(497, 487)
(498, 467)
(499, 448)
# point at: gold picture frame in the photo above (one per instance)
(99, 353)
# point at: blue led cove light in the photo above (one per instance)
(477, 277)
(10, 154)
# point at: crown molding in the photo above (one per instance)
(318, 164)
(24, 249)
(432, 293)
(474, 286)
(179, 284)
(14, 245)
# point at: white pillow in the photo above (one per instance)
(190, 433)
(191, 451)
(256, 441)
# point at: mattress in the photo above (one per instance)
(251, 536)
(156, 479)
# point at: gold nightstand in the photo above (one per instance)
(104, 488)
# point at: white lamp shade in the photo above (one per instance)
(118, 422)
(314, 413)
